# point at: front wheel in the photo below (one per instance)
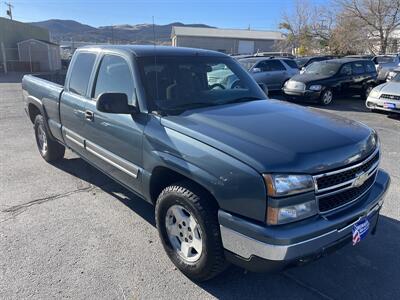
(187, 223)
(326, 97)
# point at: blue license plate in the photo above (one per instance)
(360, 230)
(389, 105)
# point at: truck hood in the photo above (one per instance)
(276, 136)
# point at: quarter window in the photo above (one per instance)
(80, 73)
(114, 76)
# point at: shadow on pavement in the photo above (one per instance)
(370, 270)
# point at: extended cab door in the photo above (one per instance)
(74, 98)
(114, 141)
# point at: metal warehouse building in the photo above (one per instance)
(231, 41)
(11, 33)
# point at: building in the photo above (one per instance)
(44, 53)
(230, 41)
(11, 33)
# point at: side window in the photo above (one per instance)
(358, 68)
(115, 76)
(369, 66)
(80, 73)
(271, 65)
(346, 70)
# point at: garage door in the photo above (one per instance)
(246, 47)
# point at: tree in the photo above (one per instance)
(378, 17)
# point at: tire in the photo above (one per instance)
(49, 149)
(366, 92)
(173, 206)
(326, 97)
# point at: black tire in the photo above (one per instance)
(205, 210)
(53, 151)
(326, 97)
(366, 90)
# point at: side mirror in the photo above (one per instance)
(264, 88)
(256, 70)
(114, 103)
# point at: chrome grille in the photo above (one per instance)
(390, 97)
(341, 187)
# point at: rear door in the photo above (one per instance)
(74, 99)
(114, 141)
(359, 76)
(273, 74)
(345, 77)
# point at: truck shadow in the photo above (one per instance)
(369, 270)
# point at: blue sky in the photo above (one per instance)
(259, 14)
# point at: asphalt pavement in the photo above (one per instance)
(68, 231)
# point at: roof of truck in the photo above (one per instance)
(151, 50)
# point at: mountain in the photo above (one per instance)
(67, 30)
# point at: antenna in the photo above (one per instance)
(155, 59)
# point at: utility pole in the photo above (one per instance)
(9, 10)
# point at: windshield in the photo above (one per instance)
(178, 82)
(325, 68)
(301, 61)
(396, 78)
(247, 63)
(384, 59)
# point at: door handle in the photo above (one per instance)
(89, 115)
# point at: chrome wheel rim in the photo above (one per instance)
(184, 233)
(327, 97)
(42, 139)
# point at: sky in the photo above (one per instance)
(258, 14)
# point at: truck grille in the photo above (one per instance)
(390, 97)
(341, 187)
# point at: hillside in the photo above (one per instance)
(67, 30)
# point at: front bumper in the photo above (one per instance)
(378, 104)
(306, 94)
(259, 247)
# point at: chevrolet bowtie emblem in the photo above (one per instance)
(361, 177)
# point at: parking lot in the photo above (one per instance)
(67, 231)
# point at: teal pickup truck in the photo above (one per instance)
(234, 176)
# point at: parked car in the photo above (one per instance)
(273, 72)
(233, 176)
(384, 64)
(323, 80)
(281, 54)
(386, 96)
(305, 61)
(392, 74)
(362, 56)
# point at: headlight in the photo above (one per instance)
(287, 214)
(283, 209)
(284, 185)
(374, 93)
(315, 87)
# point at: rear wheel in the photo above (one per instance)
(49, 149)
(326, 97)
(188, 226)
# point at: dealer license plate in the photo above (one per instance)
(389, 105)
(360, 230)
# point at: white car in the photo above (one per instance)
(385, 96)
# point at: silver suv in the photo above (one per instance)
(386, 63)
(272, 72)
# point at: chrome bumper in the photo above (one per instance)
(246, 246)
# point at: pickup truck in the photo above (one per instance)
(234, 176)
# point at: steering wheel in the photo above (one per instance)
(217, 85)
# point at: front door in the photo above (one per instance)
(114, 141)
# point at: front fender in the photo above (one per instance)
(237, 187)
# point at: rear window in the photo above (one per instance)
(358, 68)
(80, 73)
(291, 63)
